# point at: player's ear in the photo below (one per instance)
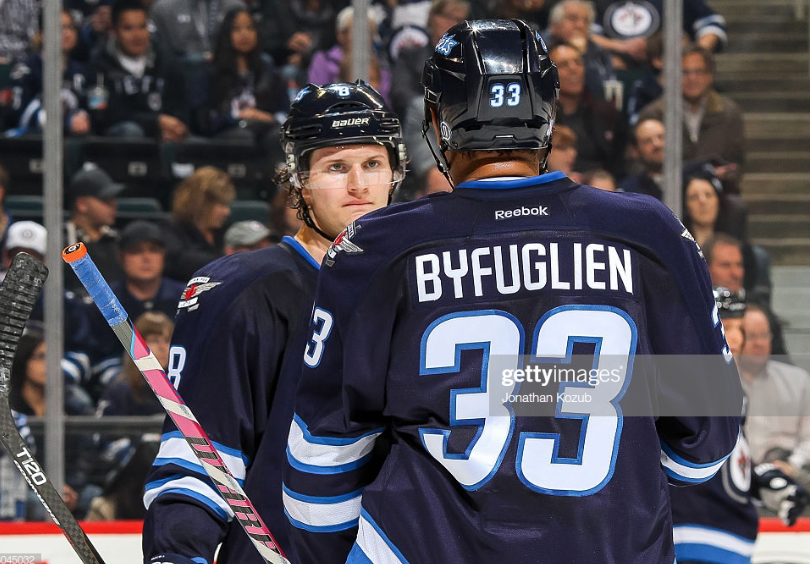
(306, 195)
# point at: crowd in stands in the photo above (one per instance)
(197, 71)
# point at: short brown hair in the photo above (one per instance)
(197, 194)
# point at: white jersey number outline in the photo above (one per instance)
(538, 464)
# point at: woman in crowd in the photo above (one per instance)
(243, 96)
(194, 234)
(708, 209)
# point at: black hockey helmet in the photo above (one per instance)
(729, 304)
(492, 86)
(340, 114)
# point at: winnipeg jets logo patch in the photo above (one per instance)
(343, 244)
(191, 295)
(446, 44)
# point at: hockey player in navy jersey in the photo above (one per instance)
(716, 522)
(242, 326)
(434, 319)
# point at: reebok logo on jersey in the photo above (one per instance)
(191, 295)
(349, 122)
(521, 212)
(342, 244)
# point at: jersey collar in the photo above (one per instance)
(299, 248)
(509, 184)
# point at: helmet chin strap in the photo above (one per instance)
(441, 160)
(309, 222)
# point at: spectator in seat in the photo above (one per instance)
(248, 235)
(292, 30)
(713, 126)
(570, 22)
(29, 113)
(91, 196)
(647, 149)
(623, 28)
(242, 96)
(27, 396)
(128, 393)
(325, 65)
(739, 267)
(407, 69)
(143, 288)
(600, 128)
(708, 209)
(193, 236)
(778, 423)
(188, 29)
(136, 90)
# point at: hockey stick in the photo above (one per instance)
(81, 263)
(18, 294)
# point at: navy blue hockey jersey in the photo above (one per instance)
(235, 358)
(407, 445)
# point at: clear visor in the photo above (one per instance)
(353, 172)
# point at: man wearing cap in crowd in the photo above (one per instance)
(28, 236)
(143, 288)
(91, 197)
(247, 235)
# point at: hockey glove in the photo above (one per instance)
(780, 493)
(170, 558)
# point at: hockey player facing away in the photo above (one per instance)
(717, 522)
(425, 312)
(242, 326)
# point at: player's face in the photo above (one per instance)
(757, 346)
(650, 142)
(696, 78)
(132, 33)
(243, 33)
(345, 183)
(143, 262)
(702, 203)
(735, 334)
(726, 268)
(570, 68)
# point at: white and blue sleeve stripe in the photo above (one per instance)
(373, 546)
(704, 544)
(324, 455)
(681, 469)
(189, 487)
(175, 450)
(322, 514)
